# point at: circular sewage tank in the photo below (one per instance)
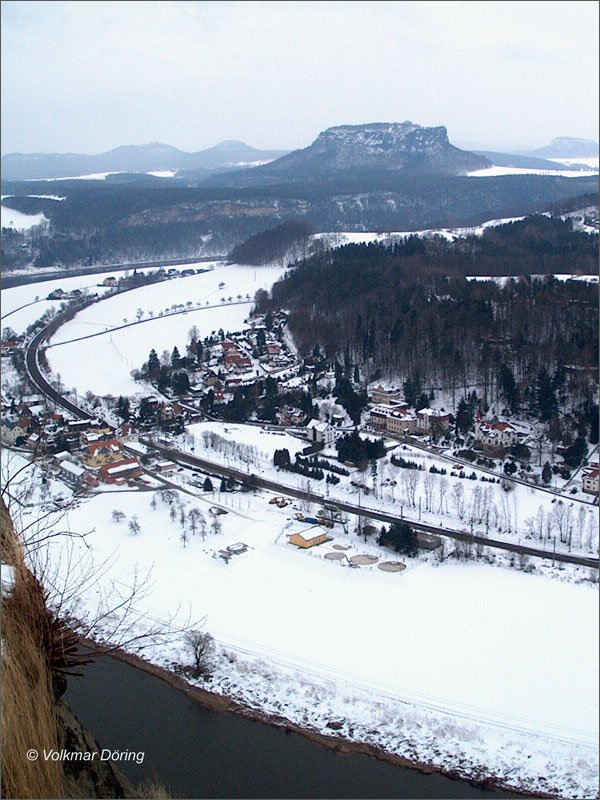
(363, 558)
(341, 547)
(334, 556)
(391, 566)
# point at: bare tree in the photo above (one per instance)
(134, 525)
(442, 491)
(202, 646)
(458, 500)
(216, 525)
(197, 522)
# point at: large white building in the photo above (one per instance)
(321, 432)
(496, 435)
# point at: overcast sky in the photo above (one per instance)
(87, 76)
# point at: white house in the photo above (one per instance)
(591, 481)
(11, 431)
(320, 432)
(401, 421)
(496, 435)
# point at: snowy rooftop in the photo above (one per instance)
(120, 467)
(73, 469)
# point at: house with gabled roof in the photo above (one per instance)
(122, 470)
(321, 432)
(495, 435)
(96, 454)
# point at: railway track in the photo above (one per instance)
(37, 377)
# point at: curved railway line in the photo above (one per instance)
(39, 380)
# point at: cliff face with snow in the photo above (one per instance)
(395, 147)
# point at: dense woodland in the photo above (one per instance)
(274, 244)
(408, 310)
(106, 222)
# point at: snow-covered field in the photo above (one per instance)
(19, 320)
(103, 364)
(20, 295)
(453, 664)
(501, 281)
(10, 218)
(591, 162)
(494, 172)
(339, 238)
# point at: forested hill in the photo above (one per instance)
(102, 223)
(406, 308)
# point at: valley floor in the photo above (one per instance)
(468, 667)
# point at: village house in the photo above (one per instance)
(123, 470)
(386, 396)
(98, 454)
(378, 416)
(137, 448)
(7, 347)
(165, 467)
(495, 435)
(321, 432)
(72, 473)
(57, 294)
(169, 411)
(124, 433)
(400, 422)
(11, 431)
(212, 379)
(110, 281)
(273, 348)
(291, 416)
(429, 418)
(235, 359)
(591, 481)
(58, 458)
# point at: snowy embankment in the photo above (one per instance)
(470, 667)
(86, 365)
(339, 238)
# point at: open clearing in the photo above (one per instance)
(103, 364)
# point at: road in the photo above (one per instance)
(10, 281)
(283, 489)
(151, 319)
(31, 360)
(37, 377)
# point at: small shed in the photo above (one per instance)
(309, 537)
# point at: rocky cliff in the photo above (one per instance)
(397, 147)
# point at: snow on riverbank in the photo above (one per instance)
(449, 658)
(467, 666)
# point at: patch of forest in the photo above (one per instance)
(273, 244)
(100, 221)
(408, 309)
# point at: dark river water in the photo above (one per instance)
(200, 753)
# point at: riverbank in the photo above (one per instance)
(220, 703)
